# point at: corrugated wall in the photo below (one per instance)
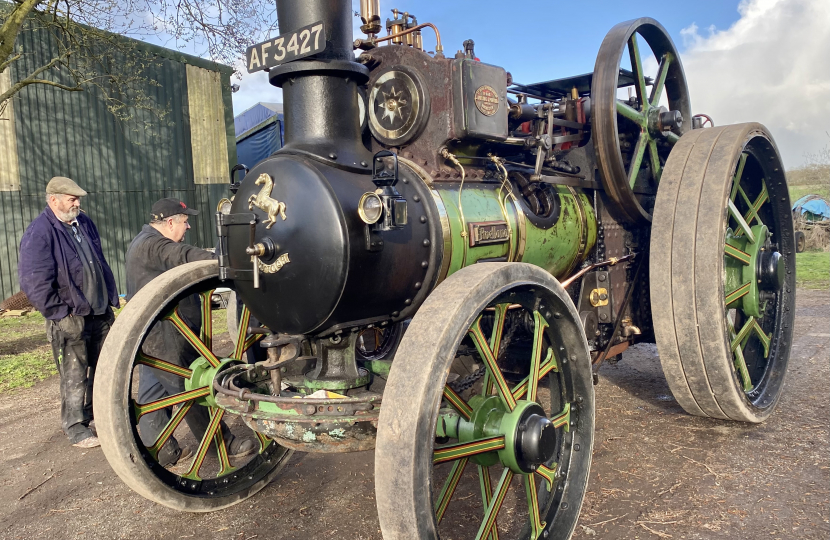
(125, 166)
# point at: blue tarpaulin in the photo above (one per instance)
(259, 133)
(812, 207)
(254, 116)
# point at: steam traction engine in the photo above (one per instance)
(440, 258)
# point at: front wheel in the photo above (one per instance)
(153, 391)
(486, 429)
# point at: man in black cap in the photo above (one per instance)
(64, 274)
(157, 248)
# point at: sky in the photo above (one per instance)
(762, 61)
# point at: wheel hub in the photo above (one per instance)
(529, 435)
(536, 441)
(660, 120)
(771, 272)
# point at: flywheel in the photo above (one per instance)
(633, 137)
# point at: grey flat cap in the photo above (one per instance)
(61, 185)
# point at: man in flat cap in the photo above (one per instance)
(64, 274)
(157, 248)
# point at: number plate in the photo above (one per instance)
(304, 42)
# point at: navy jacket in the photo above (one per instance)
(50, 271)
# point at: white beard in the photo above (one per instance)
(68, 216)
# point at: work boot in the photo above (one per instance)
(171, 453)
(241, 447)
(89, 442)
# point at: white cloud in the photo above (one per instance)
(772, 66)
(253, 88)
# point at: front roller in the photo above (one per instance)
(723, 272)
(212, 478)
(486, 429)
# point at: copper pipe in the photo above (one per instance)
(610, 262)
(438, 47)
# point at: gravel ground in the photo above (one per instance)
(657, 472)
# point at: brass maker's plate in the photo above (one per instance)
(489, 232)
(487, 100)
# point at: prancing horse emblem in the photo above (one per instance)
(264, 202)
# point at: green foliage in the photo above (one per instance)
(812, 269)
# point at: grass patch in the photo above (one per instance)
(25, 369)
(822, 190)
(812, 269)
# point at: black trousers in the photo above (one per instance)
(76, 344)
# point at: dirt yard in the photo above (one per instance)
(657, 473)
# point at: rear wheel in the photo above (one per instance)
(723, 273)
(486, 429)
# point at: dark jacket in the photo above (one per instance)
(151, 254)
(50, 271)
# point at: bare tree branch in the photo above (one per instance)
(92, 54)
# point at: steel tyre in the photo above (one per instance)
(723, 327)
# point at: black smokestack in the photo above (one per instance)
(320, 92)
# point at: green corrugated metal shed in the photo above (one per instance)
(124, 165)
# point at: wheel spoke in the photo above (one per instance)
(242, 332)
(656, 168)
(742, 224)
(458, 403)
(548, 474)
(495, 505)
(250, 342)
(461, 450)
(539, 326)
(752, 213)
(547, 366)
(222, 450)
(672, 137)
(194, 340)
(264, 441)
(738, 293)
(631, 113)
(157, 363)
(742, 256)
(660, 82)
(169, 429)
(498, 328)
(751, 325)
(740, 365)
(199, 459)
(449, 488)
(736, 180)
(143, 408)
(637, 158)
(487, 496)
(536, 523)
(493, 367)
(637, 68)
(563, 419)
(206, 334)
